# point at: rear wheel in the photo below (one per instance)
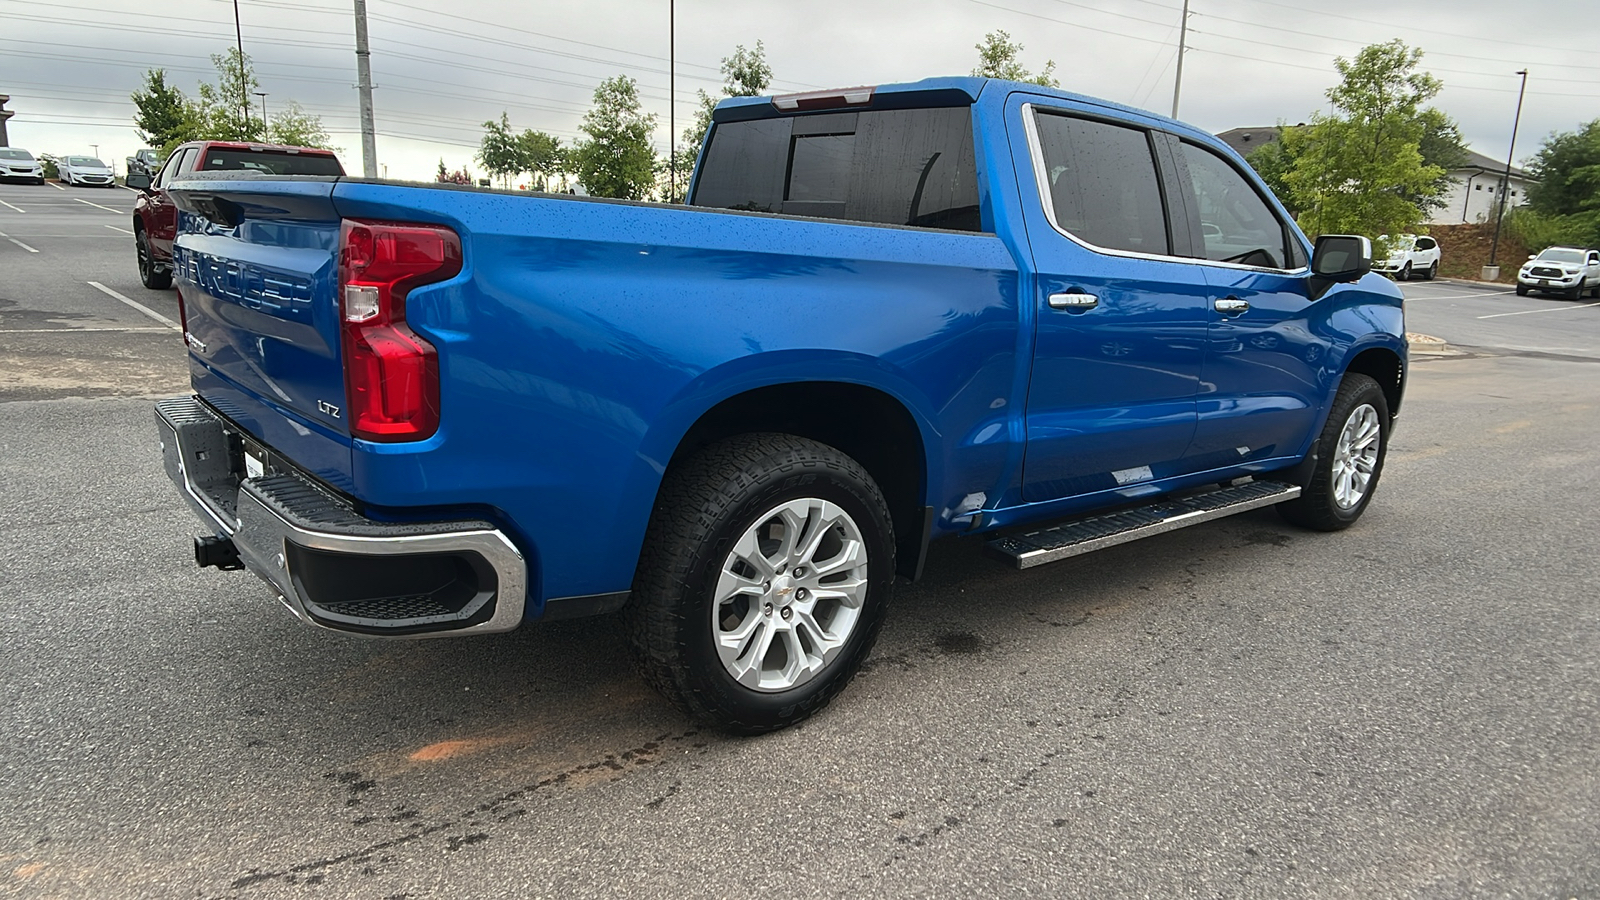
(1433, 271)
(1349, 459)
(763, 582)
(151, 277)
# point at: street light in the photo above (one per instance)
(1505, 183)
(96, 149)
(263, 96)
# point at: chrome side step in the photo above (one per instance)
(1109, 529)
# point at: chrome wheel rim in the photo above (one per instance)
(1356, 457)
(789, 595)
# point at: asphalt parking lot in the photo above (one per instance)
(1410, 708)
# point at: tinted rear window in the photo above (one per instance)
(895, 167)
(268, 162)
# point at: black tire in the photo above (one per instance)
(1522, 290)
(707, 504)
(1320, 506)
(1576, 293)
(1404, 274)
(1433, 271)
(152, 277)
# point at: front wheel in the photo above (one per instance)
(1349, 458)
(764, 579)
(1522, 290)
(1404, 274)
(1577, 292)
(151, 277)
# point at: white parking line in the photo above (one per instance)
(18, 209)
(1460, 296)
(137, 305)
(123, 230)
(136, 329)
(1531, 311)
(56, 185)
(17, 242)
(98, 206)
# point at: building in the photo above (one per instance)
(4, 115)
(1474, 191)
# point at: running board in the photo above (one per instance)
(1109, 529)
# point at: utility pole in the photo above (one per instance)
(369, 137)
(1183, 40)
(244, 91)
(1505, 183)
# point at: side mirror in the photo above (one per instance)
(138, 181)
(1532, 256)
(1338, 259)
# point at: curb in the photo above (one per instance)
(1427, 344)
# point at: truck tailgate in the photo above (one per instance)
(257, 269)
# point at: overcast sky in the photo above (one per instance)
(441, 69)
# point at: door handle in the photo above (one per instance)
(1075, 300)
(1230, 306)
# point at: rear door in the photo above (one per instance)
(1120, 316)
(163, 220)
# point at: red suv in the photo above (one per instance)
(155, 218)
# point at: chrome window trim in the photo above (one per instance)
(1046, 200)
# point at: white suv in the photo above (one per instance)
(1409, 256)
(1567, 271)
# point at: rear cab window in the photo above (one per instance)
(269, 162)
(911, 167)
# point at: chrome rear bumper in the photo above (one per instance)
(330, 565)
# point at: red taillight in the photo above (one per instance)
(391, 374)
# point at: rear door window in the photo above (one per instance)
(894, 167)
(1102, 184)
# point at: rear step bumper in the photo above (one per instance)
(1035, 548)
(330, 565)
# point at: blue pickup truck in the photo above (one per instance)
(885, 316)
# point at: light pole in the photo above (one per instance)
(244, 95)
(672, 105)
(1505, 184)
(96, 149)
(1183, 39)
(263, 96)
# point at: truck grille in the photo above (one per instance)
(1544, 272)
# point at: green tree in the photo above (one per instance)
(223, 109)
(1273, 161)
(542, 156)
(1361, 169)
(500, 151)
(616, 159)
(745, 73)
(163, 116)
(295, 127)
(1565, 200)
(1441, 146)
(999, 57)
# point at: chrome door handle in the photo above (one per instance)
(1230, 306)
(1073, 300)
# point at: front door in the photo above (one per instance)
(1120, 327)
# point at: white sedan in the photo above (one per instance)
(85, 170)
(18, 163)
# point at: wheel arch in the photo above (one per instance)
(1385, 366)
(872, 425)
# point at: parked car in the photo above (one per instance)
(17, 164)
(155, 219)
(142, 168)
(85, 170)
(1408, 256)
(1568, 271)
(886, 316)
